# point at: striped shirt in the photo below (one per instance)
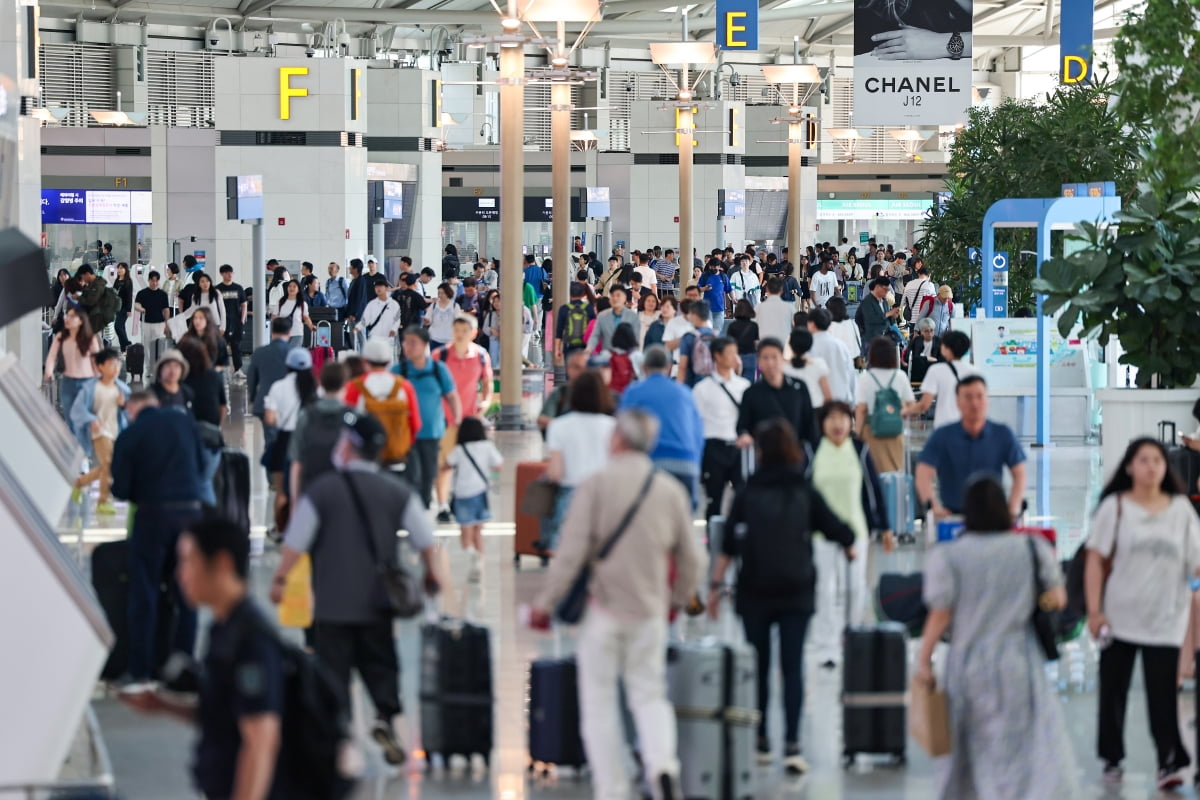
(664, 269)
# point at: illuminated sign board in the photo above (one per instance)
(287, 91)
(244, 197)
(96, 207)
(737, 24)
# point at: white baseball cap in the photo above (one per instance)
(372, 258)
(377, 351)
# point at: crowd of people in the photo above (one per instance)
(772, 398)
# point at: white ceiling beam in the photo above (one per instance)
(249, 7)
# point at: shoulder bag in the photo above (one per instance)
(1045, 615)
(570, 608)
(487, 484)
(395, 592)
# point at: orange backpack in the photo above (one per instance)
(393, 414)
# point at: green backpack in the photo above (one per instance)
(885, 416)
(576, 328)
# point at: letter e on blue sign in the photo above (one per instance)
(737, 24)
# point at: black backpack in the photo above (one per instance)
(321, 432)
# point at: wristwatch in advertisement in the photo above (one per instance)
(955, 47)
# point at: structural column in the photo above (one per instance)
(795, 159)
(685, 133)
(512, 198)
(560, 165)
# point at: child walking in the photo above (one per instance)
(100, 409)
(472, 458)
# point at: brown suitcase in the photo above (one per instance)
(528, 528)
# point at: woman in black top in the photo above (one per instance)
(202, 327)
(60, 284)
(123, 286)
(744, 331)
(769, 531)
(208, 389)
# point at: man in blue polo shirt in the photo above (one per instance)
(714, 285)
(433, 383)
(959, 452)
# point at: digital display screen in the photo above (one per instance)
(244, 197)
(393, 200)
(596, 202)
(96, 207)
(731, 203)
(487, 209)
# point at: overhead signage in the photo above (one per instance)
(1000, 285)
(1075, 41)
(287, 91)
(96, 207)
(873, 209)
(731, 203)
(487, 209)
(597, 203)
(737, 24)
(244, 197)
(387, 199)
(912, 63)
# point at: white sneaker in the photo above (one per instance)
(795, 764)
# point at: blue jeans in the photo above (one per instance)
(69, 389)
(690, 482)
(494, 352)
(212, 461)
(551, 526)
(793, 627)
(152, 543)
(750, 366)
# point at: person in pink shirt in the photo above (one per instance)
(471, 368)
(76, 343)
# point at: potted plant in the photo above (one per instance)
(1140, 283)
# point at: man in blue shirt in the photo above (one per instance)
(680, 444)
(337, 291)
(158, 465)
(432, 383)
(714, 285)
(535, 276)
(961, 451)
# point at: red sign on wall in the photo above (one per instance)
(347, 233)
(283, 221)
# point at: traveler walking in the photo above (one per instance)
(608, 320)
(202, 328)
(776, 395)
(362, 289)
(718, 400)
(337, 291)
(310, 449)
(381, 317)
(77, 344)
(169, 375)
(98, 302)
(679, 446)
(204, 295)
(209, 406)
(745, 332)
(234, 298)
(267, 365)
(289, 395)
(973, 445)
(154, 306)
(471, 369)
(558, 401)
(350, 630)
(942, 379)
(808, 368)
(844, 329)
(770, 532)
(1143, 551)
(471, 461)
(838, 359)
(774, 316)
(390, 399)
(924, 349)
(876, 313)
(437, 397)
(885, 398)
(293, 307)
(695, 346)
(1007, 737)
(158, 466)
(570, 326)
(623, 636)
(123, 286)
(99, 409)
(440, 316)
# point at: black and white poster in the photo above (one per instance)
(912, 62)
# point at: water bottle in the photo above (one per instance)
(1104, 637)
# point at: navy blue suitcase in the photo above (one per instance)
(874, 682)
(554, 719)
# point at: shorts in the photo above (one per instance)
(471, 510)
(447, 443)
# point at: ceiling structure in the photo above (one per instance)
(820, 27)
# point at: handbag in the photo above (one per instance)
(1045, 616)
(929, 718)
(570, 608)
(540, 498)
(210, 435)
(395, 592)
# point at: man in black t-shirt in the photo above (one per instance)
(153, 304)
(412, 303)
(242, 692)
(234, 297)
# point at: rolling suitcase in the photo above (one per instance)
(897, 496)
(231, 484)
(528, 528)
(874, 683)
(135, 361)
(899, 599)
(110, 578)
(330, 331)
(554, 719)
(714, 688)
(456, 690)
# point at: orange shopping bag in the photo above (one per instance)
(296, 608)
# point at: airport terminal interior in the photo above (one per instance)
(512, 132)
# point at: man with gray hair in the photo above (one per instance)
(623, 636)
(680, 446)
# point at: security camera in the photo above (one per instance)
(629, 85)
(309, 52)
(735, 79)
(214, 41)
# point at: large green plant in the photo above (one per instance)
(1142, 283)
(1022, 148)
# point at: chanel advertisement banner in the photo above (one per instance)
(912, 62)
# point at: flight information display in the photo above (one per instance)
(96, 207)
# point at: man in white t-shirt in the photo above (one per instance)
(824, 284)
(649, 277)
(745, 283)
(774, 317)
(942, 379)
(917, 290)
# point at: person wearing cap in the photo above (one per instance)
(169, 374)
(383, 386)
(412, 303)
(381, 317)
(349, 629)
(158, 466)
(372, 267)
(289, 395)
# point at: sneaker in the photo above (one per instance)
(763, 753)
(793, 762)
(1169, 779)
(444, 517)
(77, 496)
(385, 736)
(668, 787)
(1113, 773)
(105, 509)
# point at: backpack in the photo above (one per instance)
(321, 433)
(621, 372)
(790, 289)
(885, 416)
(109, 305)
(575, 334)
(773, 565)
(701, 360)
(393, 413)
(908, 311)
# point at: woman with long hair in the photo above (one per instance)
(1143, 550)
(200, 326)
(883, 372)
(172, 286)
(775, 515)
(209, 406)
(60, 283)
(288, 396)
(275, 289)
(489, 324)
(744, 331)
(207, 296)
(812, 370)
(313, 295)
(292, 306)
(1008, 741)
(76, 343)
(440, 317)
(123, 286)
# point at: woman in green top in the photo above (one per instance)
(841, 463)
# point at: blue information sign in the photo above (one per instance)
(64, 206)
(737, 24)
(1000, 285)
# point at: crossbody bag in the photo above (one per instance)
(395, 592)
(486, 483)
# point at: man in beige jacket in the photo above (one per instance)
(623, 636)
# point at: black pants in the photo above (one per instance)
(233, 339)
(720, 466)
(1160, 666)
(793, 628)
(371, 649)
(119, 324)
(423, 467)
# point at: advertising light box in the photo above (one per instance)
(96, 207)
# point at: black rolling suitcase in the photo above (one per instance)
(231, 484)
(135, 361)
(110, 578)
(554, 719)
(456, 690)
(874, 681)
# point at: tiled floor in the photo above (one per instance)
(151, 756)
